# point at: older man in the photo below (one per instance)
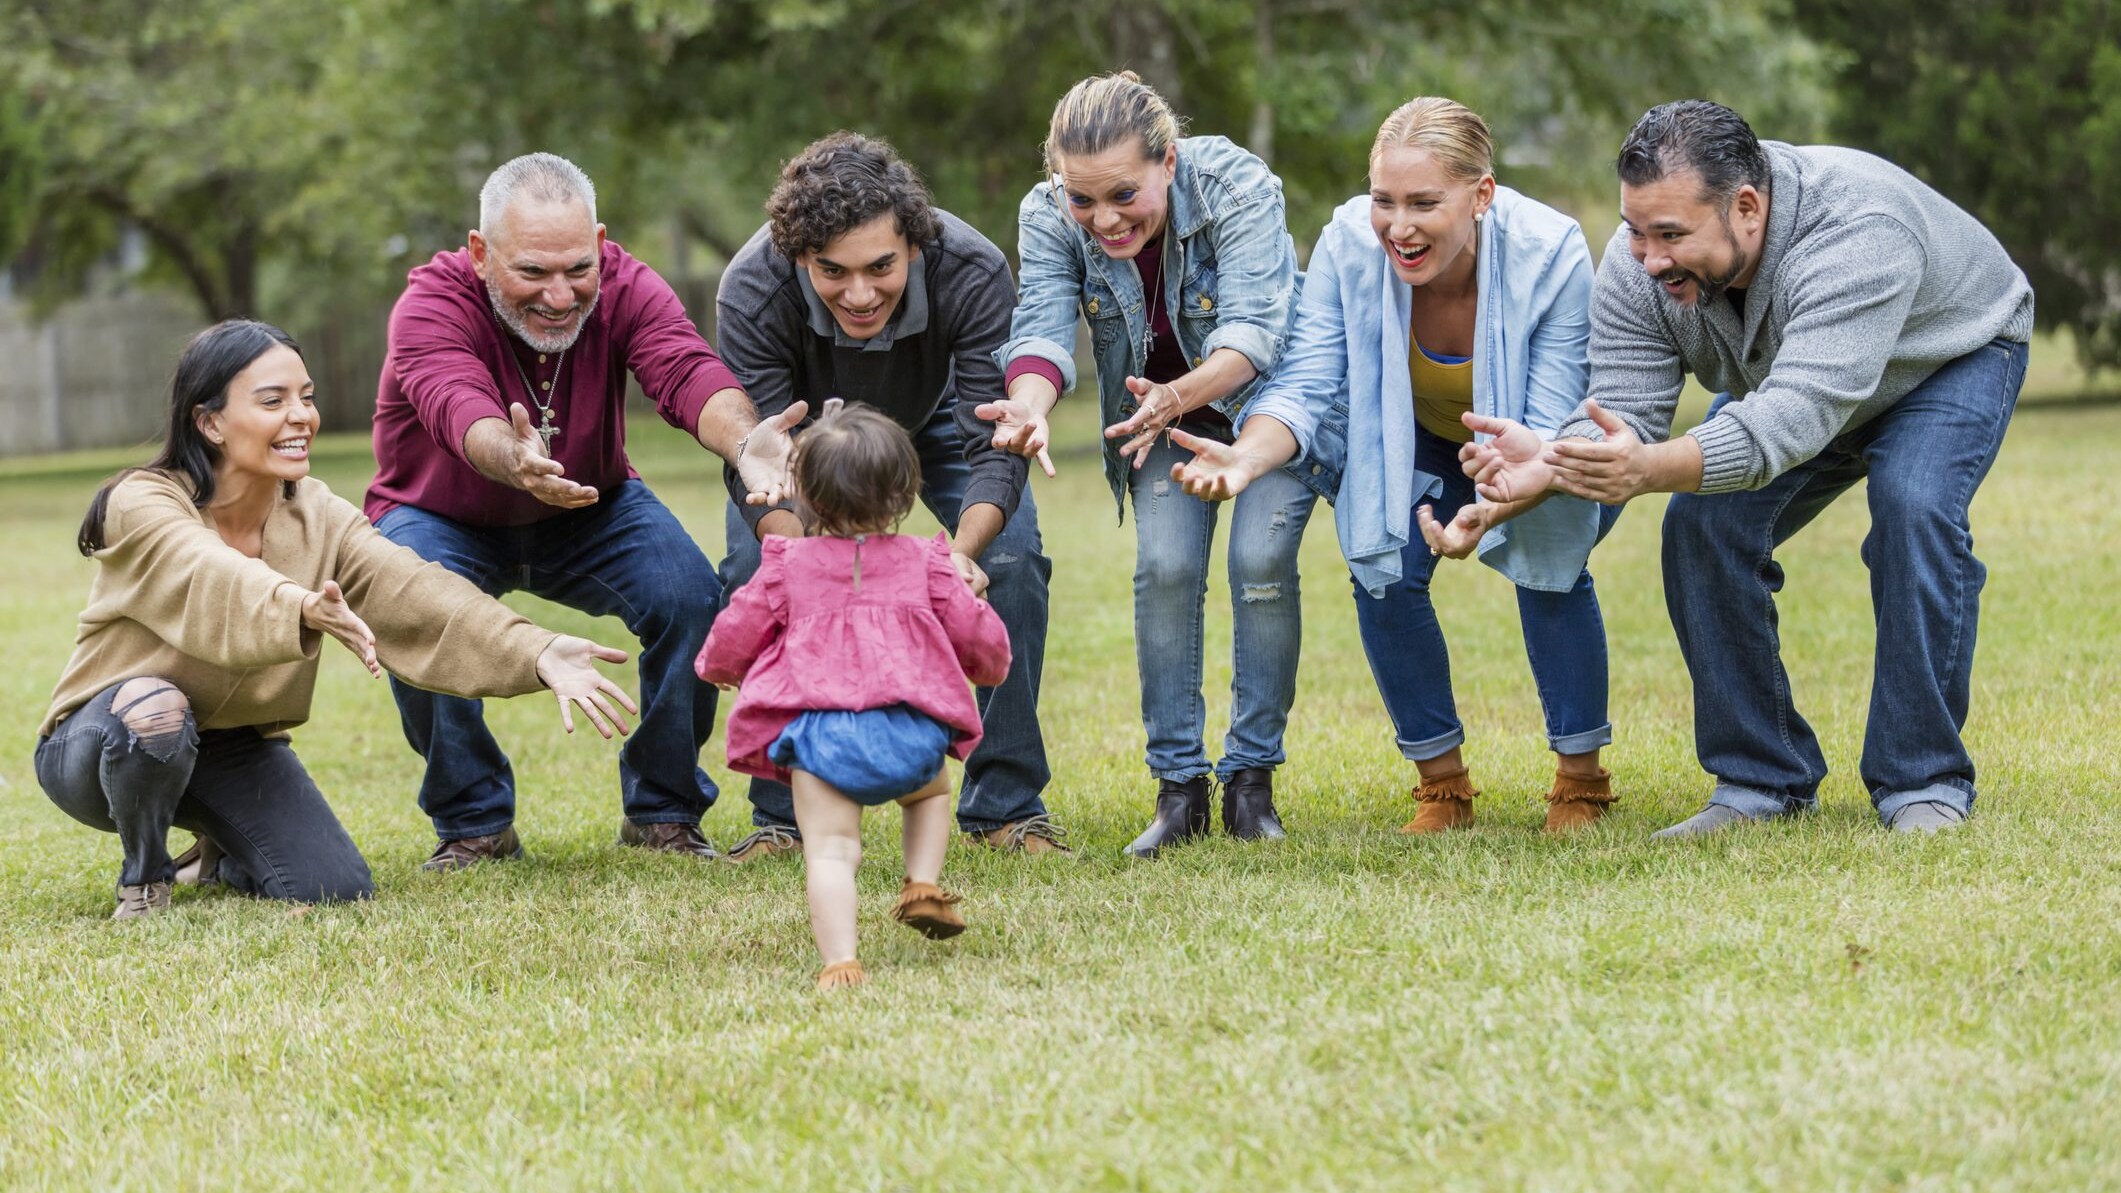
(1858, 326)
(859, 287)
(538, 312)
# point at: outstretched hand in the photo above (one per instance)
(1511, 465)
(1158, 407)
(326, 611)
(568, 667)
(1217, 471)
(1610, 471)
(763, 456)
(537, 473)
(1018, 429)
(1456, 538)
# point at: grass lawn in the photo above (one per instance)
(1808, 1005)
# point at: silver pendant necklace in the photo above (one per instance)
(547, 430)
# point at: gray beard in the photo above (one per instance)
(512, 319)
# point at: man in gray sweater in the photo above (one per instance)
(1856, 324)
(859, 288)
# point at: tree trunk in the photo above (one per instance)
(1261, 136)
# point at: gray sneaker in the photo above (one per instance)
(1929, 816)
(143, 900)
(1711, 819)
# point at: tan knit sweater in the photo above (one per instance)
(172, 599)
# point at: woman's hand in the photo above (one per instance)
(1217, 471)
(1511, 465)
(326, 611)
(1460, 535)
(568, 668)
(1159, 407)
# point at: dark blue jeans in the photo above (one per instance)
(249, 793)
(1007, 771)
(1924, 458)
(1564, 636)
(626, 556)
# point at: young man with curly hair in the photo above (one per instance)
(858, 287)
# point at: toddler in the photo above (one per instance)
(853, 648)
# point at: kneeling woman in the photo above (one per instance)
(1435, 304)
(222, 566)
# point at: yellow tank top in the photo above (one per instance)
(1442, 392)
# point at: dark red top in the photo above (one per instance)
(1167, 358)
(451, 363)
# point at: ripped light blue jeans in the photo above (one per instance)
(1173, 532)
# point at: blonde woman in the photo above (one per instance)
(1176, 251)
(1436, 305)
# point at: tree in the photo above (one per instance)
(2012, 110)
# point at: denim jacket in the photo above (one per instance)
(1345, 392)
(1229, 280)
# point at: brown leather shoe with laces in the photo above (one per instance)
(1036, 834)
(465, 852)
(764, 842)
(147, 899)
(668, 838)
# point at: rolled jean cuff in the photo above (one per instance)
(1758, 805)
(1422, 751)
(1952, 795)
(1583, 743)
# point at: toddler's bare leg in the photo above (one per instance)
(831, 825)
(926, 832)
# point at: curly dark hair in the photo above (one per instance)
(840, 183)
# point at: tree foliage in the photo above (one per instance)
(2014, 111)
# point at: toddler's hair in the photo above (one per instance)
(855, 471)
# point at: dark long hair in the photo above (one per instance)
(209, 364)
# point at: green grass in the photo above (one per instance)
(1810, 1005)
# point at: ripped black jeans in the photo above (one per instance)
(249, 793)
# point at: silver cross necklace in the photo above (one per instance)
(547, 431)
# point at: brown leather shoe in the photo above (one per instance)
(929, 910)
(668, 838)
(839, 974)
(465, 852)
(1035, 834)
(1577, 803)
(200, 865)
(144, 900)
(1445, 802)
(764, 842)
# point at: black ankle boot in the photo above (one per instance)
(1181, 816)
(1248, 806)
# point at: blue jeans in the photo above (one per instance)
(1007, 770)
(1924, 458)
(626, 556)
(1564, 637)
(249, 793)
(1172, 535)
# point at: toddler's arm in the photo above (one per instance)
(754, 619)
(974, 628)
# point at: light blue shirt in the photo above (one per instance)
(1345, 392)
(1229, 280)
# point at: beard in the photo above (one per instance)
(512, 319)
(1708, 287)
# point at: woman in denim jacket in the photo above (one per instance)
(1177, 253)
(1435, 306)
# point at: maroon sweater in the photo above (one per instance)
(451, 363)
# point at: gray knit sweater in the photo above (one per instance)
(1868, 282)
